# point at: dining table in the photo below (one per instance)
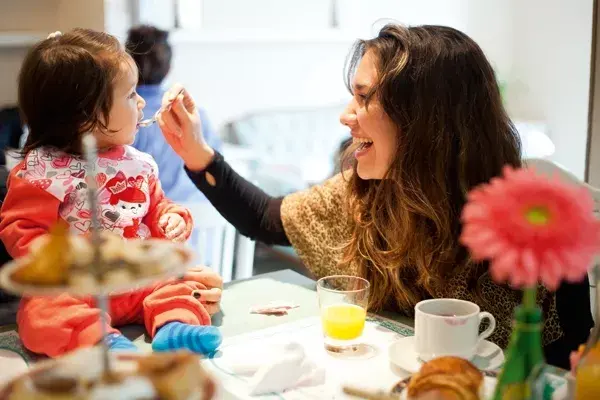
(235, 319)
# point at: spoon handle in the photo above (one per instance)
(147, 122)
(366, 394)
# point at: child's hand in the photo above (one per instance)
(173, 226)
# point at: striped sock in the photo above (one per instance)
(196, 338)
(118, 342)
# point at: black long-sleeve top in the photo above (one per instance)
(253, 212)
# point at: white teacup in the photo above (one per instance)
(449, 327)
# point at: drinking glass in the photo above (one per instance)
(343, 303)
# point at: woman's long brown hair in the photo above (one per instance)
(436, 84)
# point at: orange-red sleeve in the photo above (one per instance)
(28, 211)
(160, 205)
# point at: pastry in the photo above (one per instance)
(79, 376)
(130, 388)
(61, 259)
(174, 375)
(48, 385)
(51, 269)
(448, 378)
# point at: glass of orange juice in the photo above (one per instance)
(587, 377)
(343, 302)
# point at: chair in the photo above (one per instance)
(550, 168)
(244, 257)
(291, 148)
(214, 240)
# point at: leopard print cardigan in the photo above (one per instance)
(313, 223)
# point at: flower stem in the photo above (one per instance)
(529, 297)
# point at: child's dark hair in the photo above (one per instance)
(151, 51)
(66, 88)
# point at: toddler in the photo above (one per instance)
(71, 84)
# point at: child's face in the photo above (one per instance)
(126, 109)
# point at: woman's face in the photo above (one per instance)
(372, 129)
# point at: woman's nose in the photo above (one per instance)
(141, 102)
(348, 117)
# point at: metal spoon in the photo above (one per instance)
(149, 121)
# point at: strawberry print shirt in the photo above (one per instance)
(49, 185)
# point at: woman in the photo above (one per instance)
(428, 125)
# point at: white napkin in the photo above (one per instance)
(283, 369)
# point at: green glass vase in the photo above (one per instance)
(522, 375)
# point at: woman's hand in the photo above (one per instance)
(182, 128)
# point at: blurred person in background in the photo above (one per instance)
(150, 48)
(152, 53)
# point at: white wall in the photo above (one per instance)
(15, 16)
(550, 77)
(18, 15)
(540, 48)
(38, 18)
(10, 64)
(233, 78)
(489, 23)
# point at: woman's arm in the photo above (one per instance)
(253, 212)
(313, 221)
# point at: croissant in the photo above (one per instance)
(446, 378)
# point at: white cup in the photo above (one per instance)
(449, 327)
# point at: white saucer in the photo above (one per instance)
(402, 354)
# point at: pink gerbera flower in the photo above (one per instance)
(531, 228)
